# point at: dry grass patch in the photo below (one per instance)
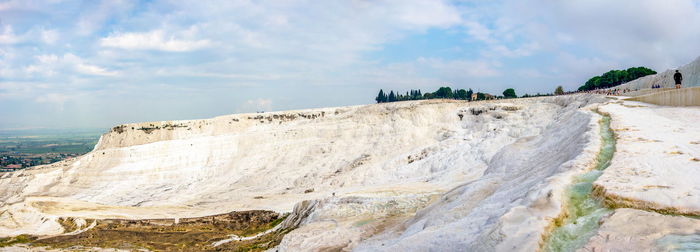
(184, 234)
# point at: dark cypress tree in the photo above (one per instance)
(392, 96)
(381, 97)
(469, 94)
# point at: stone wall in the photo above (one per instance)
(675, 97)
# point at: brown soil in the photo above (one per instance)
(185, 234)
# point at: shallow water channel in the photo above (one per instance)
(584, 210)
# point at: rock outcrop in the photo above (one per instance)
(488, 169)
(657, 162)
(691, 78)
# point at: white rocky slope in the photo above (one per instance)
(690, 72)
(657, 162)
(635, 230)
(511, 205)
(492, 173)
(655, 171)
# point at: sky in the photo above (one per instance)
(96, 64)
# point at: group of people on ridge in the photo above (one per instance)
(677, 77)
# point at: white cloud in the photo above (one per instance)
(530, 73)
(50, 65)
(268, 46)
(17, 89)
(465, 68)
(98, 13)
(57, 100)
(427, 13)
(52, 98)
(8, 36)
(184, 72)
(520, 51)
(154, 40)
(49, 36)
(259, 104)
(48, 59)
(46, 65)
(94, 70)
(431, 73)
(479, 32)
(655, 33)
(79, 65)
(498, 41)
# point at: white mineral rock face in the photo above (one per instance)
(634, 230)
(657, 162)
(484, 175)
(690, 72)
(654, 170)
(510, 206)
(439, 175)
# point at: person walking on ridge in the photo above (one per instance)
(678, 77)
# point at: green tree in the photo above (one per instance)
(462, 94)
(480, 96)
(392, 96)
(381, 97)
(638, 72)
(559, 90)
(615, 77)
(443, 92)
(509, 93)
(592, 83)
(469, 94)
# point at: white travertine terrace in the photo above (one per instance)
(635, 230)
(495, 171)
(657, 162)
(409, 176)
